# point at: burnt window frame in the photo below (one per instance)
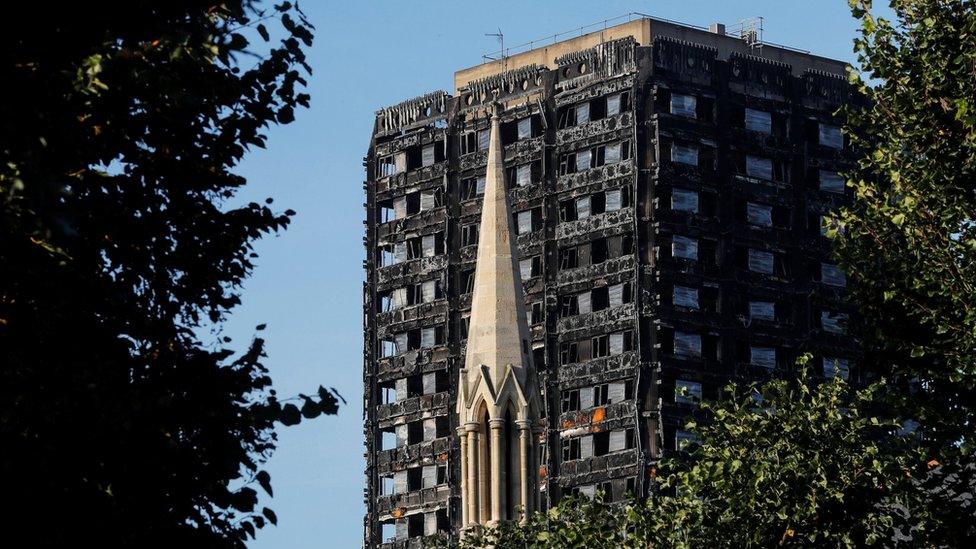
(569, 400)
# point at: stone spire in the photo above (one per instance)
(498, 398)
(498, 334)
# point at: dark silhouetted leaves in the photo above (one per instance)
(245, 499)
(290, 415)
(286, 115)
(124, 246)
(264, 479)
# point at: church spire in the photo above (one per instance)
(498, 398)
(498, 334)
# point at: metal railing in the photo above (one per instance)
(755, 25)
(579, 31)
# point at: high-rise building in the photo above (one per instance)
(667, 185)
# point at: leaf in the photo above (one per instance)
(286, 115)
(311, 409)
(290, 415)
(264, 479)
(962, 108)
(245, 499)
(270, 515)
(263, 31)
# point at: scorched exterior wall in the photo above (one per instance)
(602, 251)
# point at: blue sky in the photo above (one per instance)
(308, 283)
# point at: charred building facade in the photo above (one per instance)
(668, 186)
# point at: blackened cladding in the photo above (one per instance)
(668, 205)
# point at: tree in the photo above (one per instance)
(575, 522)
(798, 462)
(908, 241)
(121, 422)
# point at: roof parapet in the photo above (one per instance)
(412, 113)
(826, 86)
(760, 73)
(507, 85)
(684, 57)
(759, 59)
(605, 60)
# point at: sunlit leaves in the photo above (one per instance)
(908, 246)
(912, 265)
(808, 467)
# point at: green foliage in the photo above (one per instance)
(576, 522)
(909, 239)
(807, 464)
(122, 123)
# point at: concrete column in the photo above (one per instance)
(525, 468)
(498, 473)
(473, 481)
(463, 437)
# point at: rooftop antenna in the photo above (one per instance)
(501, 40)
(751, 32)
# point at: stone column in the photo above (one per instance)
(525, 467)
(498, 473)
(484, 475)
(536, 464)
(472, 482)
(463, 437)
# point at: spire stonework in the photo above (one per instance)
(498, 395)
